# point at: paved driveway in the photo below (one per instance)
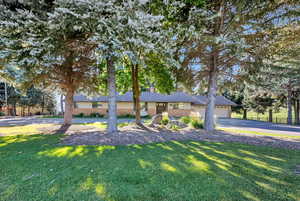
(258, 126)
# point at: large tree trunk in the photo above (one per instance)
(244, 113)
(43, 104)
(136, 93)
(297, 117)
(15, 109)
(68, 115)
(62, 104)
(289, 106)
(112, 97)
(209, 123)
(270, 115)
(296, 112)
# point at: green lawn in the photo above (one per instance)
(37, 168)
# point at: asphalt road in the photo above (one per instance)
(258, 126)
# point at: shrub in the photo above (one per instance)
(148, 121)
(197, 124)
(146, 117)
(124, 116)
(79, 115)
(185, 119)
(2, 114)
(174, 127)
(96, 114)
(164, 121)
(52, 116)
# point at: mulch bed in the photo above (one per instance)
(134, 135)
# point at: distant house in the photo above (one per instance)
(176, 104)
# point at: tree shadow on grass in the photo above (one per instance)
(160, 171)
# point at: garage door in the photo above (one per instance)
(222, 112)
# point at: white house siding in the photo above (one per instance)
(84, 105)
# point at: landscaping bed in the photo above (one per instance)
(132, 134)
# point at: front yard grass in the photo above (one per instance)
(37, 168)
(23, 130)
(35, 128)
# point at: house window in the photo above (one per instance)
(96, 105)
(175, 106)
(144, 106)
(181, 106)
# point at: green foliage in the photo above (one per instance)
(126, 116)
(159, 73)
(29, 97)
(80, 115)
(165, 121)
(96, 114)
(146, 117)
(193, 122)
(51, 116)
(197, 124)
(2, 114)
(174, 127)
(51, 44)
(185, 119)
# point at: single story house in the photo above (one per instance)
(176, 104)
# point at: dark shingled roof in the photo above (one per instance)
(145, 97)
(181, 97)
(220, 100)
(83, 98)
(156, 97)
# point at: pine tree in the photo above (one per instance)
(230, 35)
(53, 42)
(133, 37)
(144, 38)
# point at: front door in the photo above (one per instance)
(161, 107)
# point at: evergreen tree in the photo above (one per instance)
(52, 42)
(229, 35)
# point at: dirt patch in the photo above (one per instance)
(134, 135)
(73, 129)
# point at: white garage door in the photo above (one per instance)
(221, 111)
